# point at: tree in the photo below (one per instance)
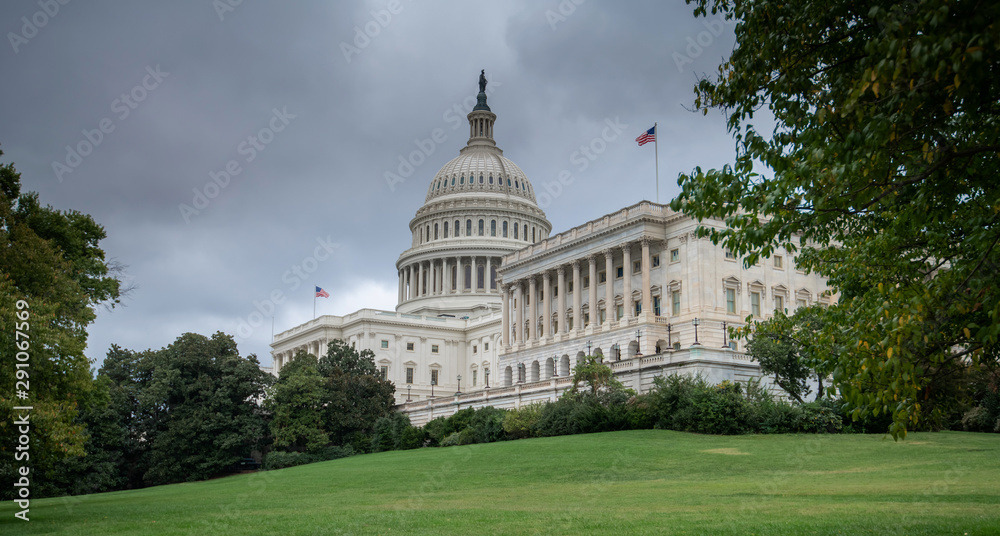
(54, 274)
(296, 406)
(355, 395)
(783, 346)
(880, 174)
(205, 412)
(596, 378)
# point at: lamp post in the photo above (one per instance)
(725, 333)
(696, 322)
(487, 371)
(433, 383)
(638, 345)
(616, 348)
(408, 386)
(588, 348)
(670, 343)
(555, 366)
(459, 385)
(520, 373)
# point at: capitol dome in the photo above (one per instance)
(479, 207)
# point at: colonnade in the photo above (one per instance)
(522, 306)
(316, 348)
(448, 275)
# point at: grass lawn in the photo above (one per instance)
(638, 482)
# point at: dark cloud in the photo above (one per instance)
(557, 80)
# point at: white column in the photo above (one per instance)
(647, 290)
(486, 275)
(561, 298)
(592, 260)
(505, 316)
(533, 307)
(399, 292)
(627, 280)
(431, 278)
(547, 303)
(609, 285)
(519, 312)
(577, 297)
(420, 279)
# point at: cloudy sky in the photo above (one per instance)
(228, 149)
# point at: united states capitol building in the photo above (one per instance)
(494, 309)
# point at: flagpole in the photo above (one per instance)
(656, 154)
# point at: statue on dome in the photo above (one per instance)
(482, 81)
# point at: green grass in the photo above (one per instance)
(640, 482)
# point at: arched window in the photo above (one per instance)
(480, 269)
(421, 235)
(446, 229)
(493, 227)
(458, 228)
(468, 227)
(508, 183)
(435, 231)
(516, 185)
(516, 234)
(428, 235)
(468, 276)
(482, 227)
(462, 180)
(493, 277)
(491, 179)
(480, 179)
(453, 181)
(525, 233)
(533, 235)
(505, 229)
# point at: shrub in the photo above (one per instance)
(486, 425)
(412, 438)
(821, 417)
(520, 423)
(279, 459)
(556, 419)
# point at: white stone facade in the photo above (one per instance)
(488, 296)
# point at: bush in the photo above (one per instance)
(388, 434)
(556, 419)
(279, 459)
(520, 423)
(821, 417)
(412, 438)
(465, 437)
(487, 425)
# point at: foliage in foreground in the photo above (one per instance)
(881, 175)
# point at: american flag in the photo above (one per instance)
(648, 136)
(320, 293)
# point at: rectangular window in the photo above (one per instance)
(618, 272)
(409, 346)
(602, 277)
(569, 323)
(656, 305)
(434, 348)
(636, 267)
(385, 344)
(729, 255)
(604, 315)
(731, 300)
(676, 298)
(619, 312)
(778, 262)
(755, 303)
(446, 229)
(475, 348)
(638, 308)
(586, 319)
(586, 282)
(475, 371)
(409, 374)
(799, 304)
(675, 255)
(434, 377)
(779, 303)
(656, 261)
(555, 292)
(486, 347)
(384, 371)
(569, 286)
